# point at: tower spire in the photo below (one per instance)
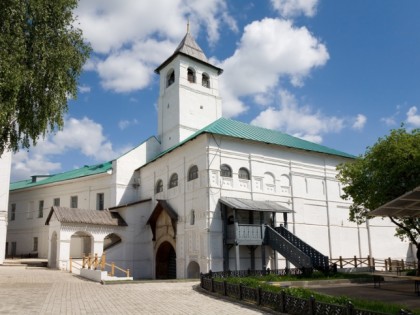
(188, 25)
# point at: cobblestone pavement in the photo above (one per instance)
(25, 290)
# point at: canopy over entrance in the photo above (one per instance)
(407, 205)
(253, 205)
(162, 205)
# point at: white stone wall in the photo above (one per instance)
(5, 165)
(28, 224)
(301, 181)
(185, 107)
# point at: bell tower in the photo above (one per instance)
(189, 93)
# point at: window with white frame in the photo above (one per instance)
(73, 202)
(56, 202)
(193, 172)
(35, 248)
(100, 201)
(41, 209)
(225, 170)
(173, 181)
(159, 186)
(243, 173)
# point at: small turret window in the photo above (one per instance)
(170, 78)
(205, 80)
(191, 75)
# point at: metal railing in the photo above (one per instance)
(319, 261)
(279, 243)
(279, 301)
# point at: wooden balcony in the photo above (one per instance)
(245, 234)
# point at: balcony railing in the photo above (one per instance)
(245, 234)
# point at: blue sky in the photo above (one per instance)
(339, 73)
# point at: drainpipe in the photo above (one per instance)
(328, 209)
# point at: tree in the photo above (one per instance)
(387, 170)
(41, 57)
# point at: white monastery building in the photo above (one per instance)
(207, 193)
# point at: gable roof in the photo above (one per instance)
(86, 170)
(85, 216)
(236, 129)
(188, 47)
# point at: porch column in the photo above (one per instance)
(263, 261)
(237, 257)
(285, 226)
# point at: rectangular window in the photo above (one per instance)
(35, 244)
(13, 212)
(41, 209)
(73, 202)
(57, 202)
(31, 208)
(100, 201)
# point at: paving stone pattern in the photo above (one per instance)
(44, 291)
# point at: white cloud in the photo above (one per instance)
(300, 121)
(412, 117)
(84, 135)
(292, 8)
(268, 50)
(359, 122)
(84, 89)
(123, 124)
(130, 38)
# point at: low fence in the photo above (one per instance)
(278, 301)
(94, 262)
(387, 264)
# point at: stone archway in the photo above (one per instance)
(53, 250)
(166, 261)
(193, 270)
(81, 243)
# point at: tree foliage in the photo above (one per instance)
(41, 58)
(387, 170)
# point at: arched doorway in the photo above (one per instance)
(53, 251)
(111, 240)
(166, 262)
(80, 244)
(193, 270)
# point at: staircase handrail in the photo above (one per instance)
(278, 242)
(319, 261)
(93, 262)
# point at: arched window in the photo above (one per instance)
(191, 75)
(193, 172)
(205, 80)
(170, 78)
(173, 182)
(225, 170)
(159, 186)
(243, 173)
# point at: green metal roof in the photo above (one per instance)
(240, 130)
(77, 173)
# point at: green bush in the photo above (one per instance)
(255, 282)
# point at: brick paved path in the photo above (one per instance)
(43, 291)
